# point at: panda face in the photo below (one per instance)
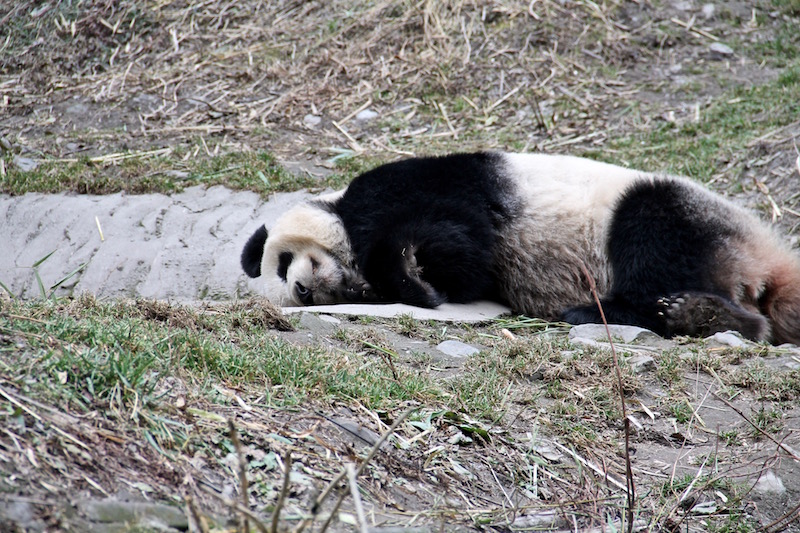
(310, 275)
(305, 259)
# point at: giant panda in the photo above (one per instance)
(526, 229)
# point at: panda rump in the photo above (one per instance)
(525, 230)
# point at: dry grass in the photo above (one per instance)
(480, 72)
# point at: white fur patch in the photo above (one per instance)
(576, 188)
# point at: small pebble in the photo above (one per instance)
(366, 115)
(720, 50)
(456, 348)
(312, 120)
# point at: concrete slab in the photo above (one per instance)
(183, 247)
(466, 313)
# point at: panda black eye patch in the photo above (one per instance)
(284, 260)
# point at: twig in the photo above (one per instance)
(591, 466)
(690, 27)
(353, 482)
(631, 488)
(697, 476)
(236, 506)
(194, 517)
(244, 526)
(284, 491)
(447, 119)
(781, 523)
(63, 433)
(357, 111)
(387, 355)
(353, 143)
(334, 482)
(99, 229)
(508, 95)
(780, 445)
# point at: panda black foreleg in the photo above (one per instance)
(429, 263)
(391, 269)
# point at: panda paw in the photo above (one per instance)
(669, 306)
(701, 314)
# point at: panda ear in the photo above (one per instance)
(253, 252)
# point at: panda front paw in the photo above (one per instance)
(670, 306)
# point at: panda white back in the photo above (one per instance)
(568, 186)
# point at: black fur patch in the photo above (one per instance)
(660, 243)
(284, 260)
(253, 252)
(447, 210)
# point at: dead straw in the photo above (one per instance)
(631, 487)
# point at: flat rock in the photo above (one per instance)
(769, 483)
(641, 363)
(466, 313)
(597, 333)
(728, 338)
(720, 50)
(115, 511)
(25, 164)
(457, 348)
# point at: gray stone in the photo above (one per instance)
(330, 319)
(456, 348)
(177, 174)
(21, 514)
(728, 338)
(597, 333)
(366, 115)
(25, 164)
(720, 50)
(641, 363)
(316, 324)
(115, 511)
(312, 120)
(77, 109)
(548, 519)
(708, 11)
(769, 483)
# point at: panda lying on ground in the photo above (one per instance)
(523, 229)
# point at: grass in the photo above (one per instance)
(133, 362)
(726, 126)
(117, 354)
(166, 171)
(697, 148)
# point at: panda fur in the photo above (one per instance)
(525, 229)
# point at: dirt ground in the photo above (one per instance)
(197, 79)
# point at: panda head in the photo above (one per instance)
(305, 259)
